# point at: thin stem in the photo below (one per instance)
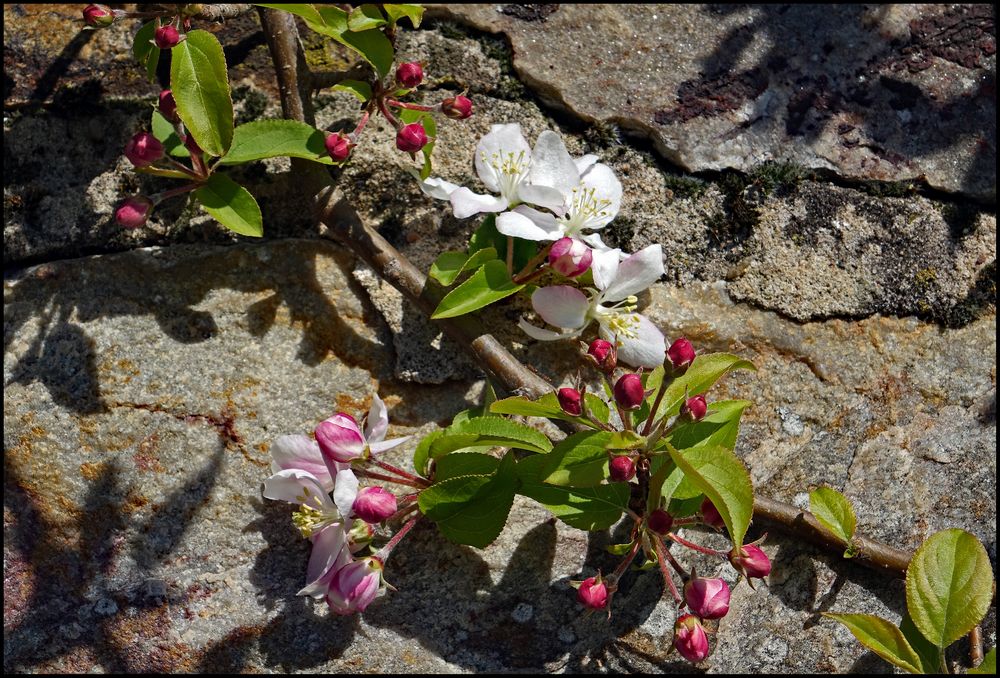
(165, 195)
(412, 107)
(384, 552)
(697, 547)
(622, 566)
(409, 508)
(535, 260)
(361, 126)
(387, 113)
(389, 479)
(398, 471)
(181, 167)
(662, 558)
(656, 404)
(975, 646)
(510, 256)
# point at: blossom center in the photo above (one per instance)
(510, 170)
(309, 519)
(619, 318)
(585, 206)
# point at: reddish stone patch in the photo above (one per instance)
(707, 97)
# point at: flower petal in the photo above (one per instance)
(646, 349)
(583, 163)
(383, 445)
(595, 242)
(606, 186)
(339, 443)
(465, 203)
(494, 149)
(605, 267)
(329, 554)
(377, 422)
(543, 196)
(561, 305)
(636, 273)
(298, 487)
(344, 492)
(520, 226)
(300, 452)
(435, 187)
(543, 220)
(551, 164)
(543, 334)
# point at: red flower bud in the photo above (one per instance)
(750, 561)
(98, 16)
(166, 37)
(168, 107)
(570, 257)
(374, 504)
(458, 108)
(134, 212)
(681, 355)
(690, 638)
(593, 593)
(409, 75)
(660, 521)
(710, 515)
(143, 149)
(192, 145)
(694, 408)
(571, 401)
(629, 393)
(621, 468)
(338, 146)
(707, 598)
(603, 355)
(411, 138)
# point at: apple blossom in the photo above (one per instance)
(354, 586)
(341, 439)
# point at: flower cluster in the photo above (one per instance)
(335, 513)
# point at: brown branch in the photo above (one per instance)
(205, 12)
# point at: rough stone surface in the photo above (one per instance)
(892, 93)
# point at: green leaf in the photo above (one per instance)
(721, 426)
(200, 85)
(948, 586)
(422, 455)
(472, 509)
(364, 17)
(834, 511)
(989, 664)
(724, 479)
(489, 432)
(487, 285)
(548, 406)
(626, 440)
(578, 461)
(231, 205)
(930, 655)
(881, 637)
(465, 464)
(700, 377)
(145, 51)
(274, 138)
(396, 12)
(362, 90)
(585, 508)
(487, 235)
(167, 135)
(449, 265)
(682, 508)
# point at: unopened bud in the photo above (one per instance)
(629, 392)
(710, 515)
(134, 212)
(694, 408)
(410, 74)
(690, 638)
(570, 257)
(621, 468)
(411, 138)
(458, 108)
(570, 401)
(338, 146)
(750, 561)
(707, 598)
(143, 149)
(168, 107)
(374, 504)
(603, 354)
(660, 521)
(681, 355)
(593, 593)
(166, 37)
(98, 16)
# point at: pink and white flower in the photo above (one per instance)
(354, 586)
(341, 440)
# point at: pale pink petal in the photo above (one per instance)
(551, 164)
(298, 487)
(543, 196)
(606, 186)
(329, 554)
(435, 187)
(300, 452)
(544, 220)
(585, 163)
(495, 148)
(595, 242)
(466, 203)
(339, 443)
(383, 445)
(344, 492)
(377, 422)
(520, 226)
(561, 305)
(636, 273)
(646, 349)
(543, 334)
(605, 267)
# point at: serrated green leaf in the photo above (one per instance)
(396, 12)
(682, 508)
(277, 138)
(449, 265)
(881, 637)
(724, 479)
(200, 85)
(548, 406)
(625, 440)
(487, 235)
(581, 460)
(465, 464)
(930, 655)
(989, 663)
(422, 455)
(949, 586)
(365, 17)
(585, 508)
(721, 426)
(362, 90)
(699, 378)
(167, 135)
(145, 51)
(472, 509)
(834, 511)
(489, 432)
(487, 285)
(231, 205)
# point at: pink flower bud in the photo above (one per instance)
(707, 598)
(168, 107)
(340, 439)
(411, 138)
(143, 149)
(338, 146)
(166, 37)
(750, 561)
(409, 75)
(458, 108)
(694, 408)
(621, 468)
(660, 521)
(98, 16)
(593, 593)
(710, 515)
(355, 586)
(571, 401)
(570, 257)
(374, 504)
(681, 355)
(629, 393)
(603, 355)
(134, 212)
(690, 638)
